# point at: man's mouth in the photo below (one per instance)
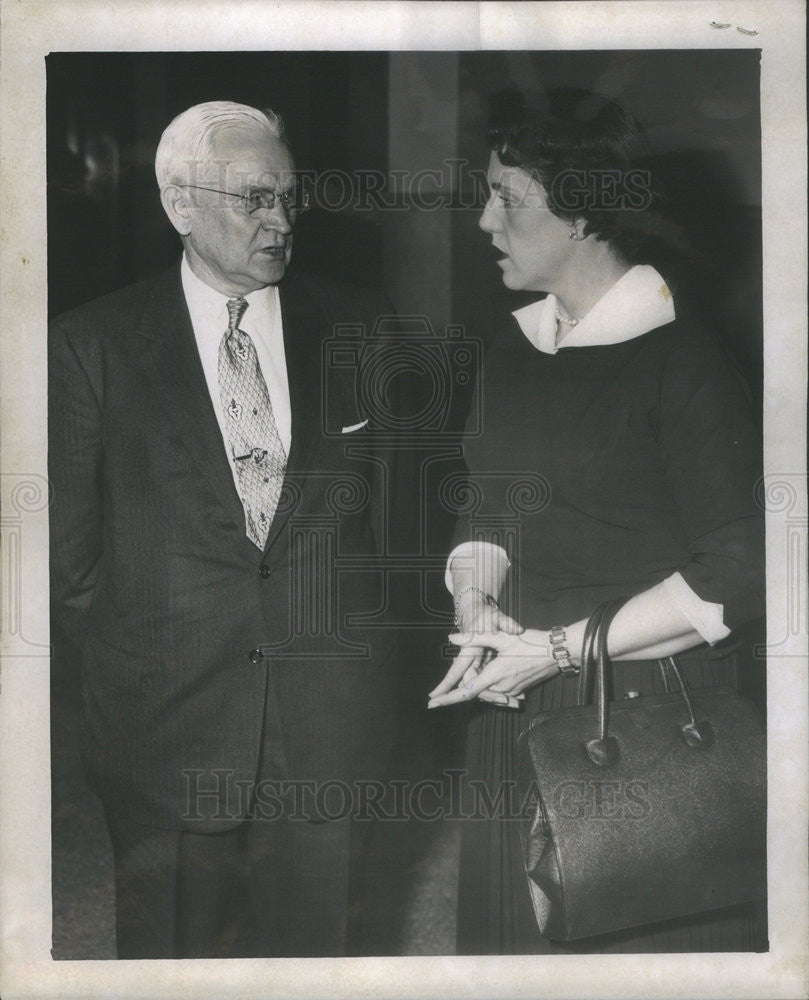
(275, 253)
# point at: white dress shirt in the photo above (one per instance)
(262, 321)
(638, 302)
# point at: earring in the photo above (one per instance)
(573, 235)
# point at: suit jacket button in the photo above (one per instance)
(264, 571)
(255, 656)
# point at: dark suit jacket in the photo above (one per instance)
(181, 620)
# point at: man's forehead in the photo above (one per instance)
(243, 160)
(239, 145)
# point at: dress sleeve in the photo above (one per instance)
(484, 559)
(706, 618)
(711, 452)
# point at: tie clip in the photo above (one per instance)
(257, 454)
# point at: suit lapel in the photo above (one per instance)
(304, 326)
(170, 360)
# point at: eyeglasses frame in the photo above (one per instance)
(290, 210)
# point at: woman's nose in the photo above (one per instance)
(489, 221)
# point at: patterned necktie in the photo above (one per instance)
(252, 433)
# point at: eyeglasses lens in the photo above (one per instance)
(293, 201)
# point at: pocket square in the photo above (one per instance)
(354, 427)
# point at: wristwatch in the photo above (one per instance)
(560, 652)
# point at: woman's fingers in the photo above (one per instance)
(529, 644)
(471, 674)
(496, 698)
(469, 657)
(496, 670)
(499, 642)
(503, 663)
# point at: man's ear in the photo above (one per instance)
(178, 207)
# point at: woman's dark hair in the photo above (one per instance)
(590, 155)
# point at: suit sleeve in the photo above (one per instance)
(712, 456)
(75, 468)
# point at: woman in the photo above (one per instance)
(634, 432)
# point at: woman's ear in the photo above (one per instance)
(576, 229)
(178, 207)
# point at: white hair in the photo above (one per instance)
(188, 139)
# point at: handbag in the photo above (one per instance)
(640, 810)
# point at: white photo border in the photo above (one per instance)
(33, 28)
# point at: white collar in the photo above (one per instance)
(204, 301)
(638, 302)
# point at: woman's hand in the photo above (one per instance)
(514, 662)
(475, 618)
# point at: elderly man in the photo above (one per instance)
(218, 499)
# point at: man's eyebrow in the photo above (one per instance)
(265, 188)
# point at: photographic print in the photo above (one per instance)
(423, 540)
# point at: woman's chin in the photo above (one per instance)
(513, 281)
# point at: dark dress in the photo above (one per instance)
(602, 470)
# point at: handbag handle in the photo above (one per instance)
(604, 750)
(697, 734)
(587, 654)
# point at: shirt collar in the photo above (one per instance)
(638, 302)
(206, 304)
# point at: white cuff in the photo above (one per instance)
(473, 554)
(704, 616)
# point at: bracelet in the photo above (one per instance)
(487, 599)
(560, 652)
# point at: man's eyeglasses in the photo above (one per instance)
(294, 201)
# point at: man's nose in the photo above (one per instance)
(276, 218)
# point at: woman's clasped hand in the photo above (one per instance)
(495, 666)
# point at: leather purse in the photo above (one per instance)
(642, 810)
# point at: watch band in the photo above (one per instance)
(560, 652)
